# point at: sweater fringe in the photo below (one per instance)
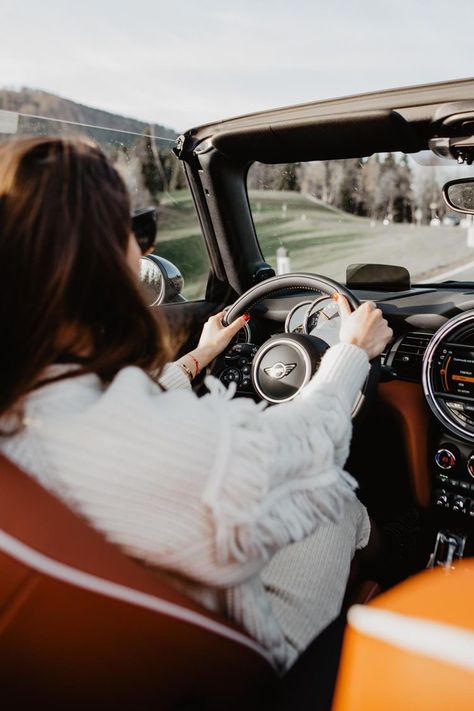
(273, 516)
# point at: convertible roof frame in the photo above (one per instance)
(218, 156)
(406, 114)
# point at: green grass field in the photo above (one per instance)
(319, 238)
(180, 241)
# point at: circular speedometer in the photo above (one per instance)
(448, 375)
(296, 317)
(323, 310)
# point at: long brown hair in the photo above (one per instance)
(64, 231)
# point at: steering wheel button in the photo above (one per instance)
(230, 375)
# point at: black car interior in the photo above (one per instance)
(424, 449)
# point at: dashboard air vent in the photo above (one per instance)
(407, 354)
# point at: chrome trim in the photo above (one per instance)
(148, 289)
(324, 297)
(256, 363)
(280, 370)
(426, 371)
(467, 466)
(441, 466)
(392, 348)
(292, 311)
(359, 401)
(248, 334)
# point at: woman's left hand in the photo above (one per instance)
(215, 337)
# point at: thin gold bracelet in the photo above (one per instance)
(187, 371)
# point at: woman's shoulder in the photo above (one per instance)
(131, 403)
(132, 387)
(135, 395)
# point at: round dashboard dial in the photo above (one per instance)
(322, 310)
(296, 317)
(448, 375)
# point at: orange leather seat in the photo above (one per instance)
(412, 647)
(84, 626)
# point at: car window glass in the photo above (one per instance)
(154, 176)
(321, 216)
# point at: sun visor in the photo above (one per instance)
(325, 138)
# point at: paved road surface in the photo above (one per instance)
(464, 272)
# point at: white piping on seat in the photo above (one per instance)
(437, 640)
(65, 573)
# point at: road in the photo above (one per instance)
(465, 272)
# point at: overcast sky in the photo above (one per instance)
(185, 63)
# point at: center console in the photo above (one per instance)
(448, 384)
(453, 475)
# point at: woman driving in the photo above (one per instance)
(247, 509)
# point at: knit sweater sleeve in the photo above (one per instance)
(208, 487)
(172, 377)
(280, 471)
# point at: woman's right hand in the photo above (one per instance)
(365, 327)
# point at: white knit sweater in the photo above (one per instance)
(208, 488)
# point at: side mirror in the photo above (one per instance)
(459, 195)
(161, 279)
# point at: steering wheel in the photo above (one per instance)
(284, 364)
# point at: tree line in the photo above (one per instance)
(381, 187)
(148, 169)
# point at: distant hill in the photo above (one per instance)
(41, 103)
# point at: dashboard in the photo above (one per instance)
(430, 362)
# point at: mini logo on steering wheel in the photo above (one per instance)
(280, 370)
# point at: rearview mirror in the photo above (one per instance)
(161, 280)
(459, 195)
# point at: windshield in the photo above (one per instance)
(386, 209)
(143, 155)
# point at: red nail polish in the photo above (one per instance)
(246, 317)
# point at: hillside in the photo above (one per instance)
(41, 103)
(320, 238)
(325, 240)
